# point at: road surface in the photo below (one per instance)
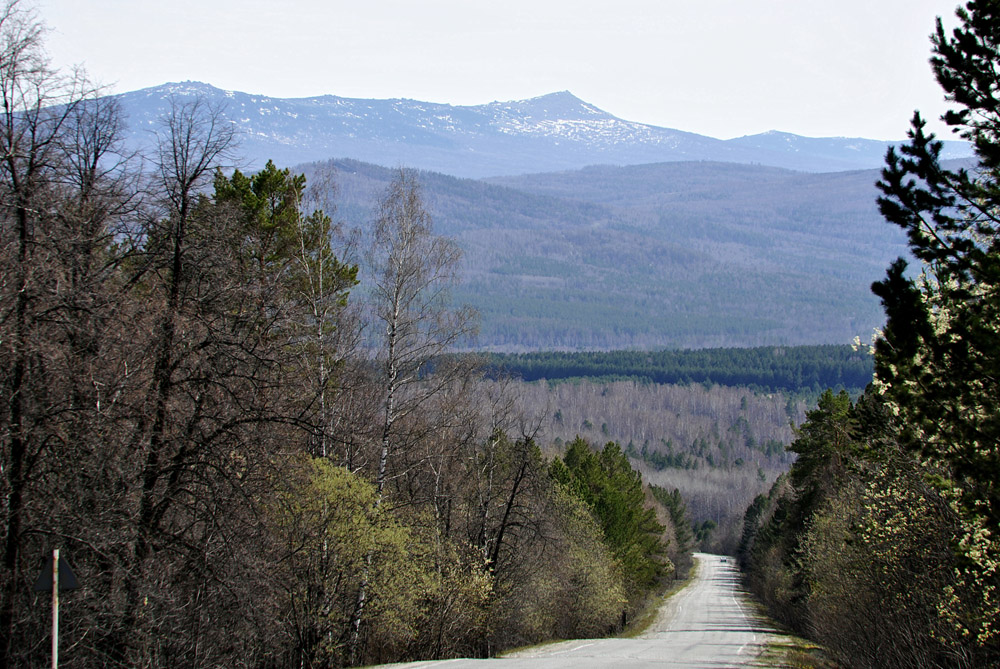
(706, 625)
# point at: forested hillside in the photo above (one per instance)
(680, 255)
(883, 542)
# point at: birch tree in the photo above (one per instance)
(413, 270)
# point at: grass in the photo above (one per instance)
(789, 651)
(792, 652)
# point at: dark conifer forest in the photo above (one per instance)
(772, 369)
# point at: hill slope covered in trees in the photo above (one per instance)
(682, 255)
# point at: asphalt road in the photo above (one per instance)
(708, 624)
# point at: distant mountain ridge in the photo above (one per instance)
(676, 255)
(599, 233)
(545, 134)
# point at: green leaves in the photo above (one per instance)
(939, 361)
(613, 491)
(329, 536)
(825, 443)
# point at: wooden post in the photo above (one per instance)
(55, 608)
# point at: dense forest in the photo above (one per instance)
(675, 255)
(248, 459)
(792, 369)
(883, 541)
(255, 428)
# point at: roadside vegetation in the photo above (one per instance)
(883, 541)
(258, 437)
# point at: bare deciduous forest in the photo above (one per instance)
(719, 446)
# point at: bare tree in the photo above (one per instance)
(413, 272)
(61, 196)
(182, 277)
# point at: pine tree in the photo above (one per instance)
(938, 365)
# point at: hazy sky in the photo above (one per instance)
(722, 68)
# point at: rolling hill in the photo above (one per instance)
(682, 255)
(600, 233)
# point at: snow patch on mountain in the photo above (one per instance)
(551, 132)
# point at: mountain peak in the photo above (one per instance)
(183, 88)
(562, 106)
(551, 132)
(558, 96)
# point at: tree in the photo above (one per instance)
(683, 542)
(182, 273)
(938, 364)
(573, 587)
(277, 239)
(63, 198)
(877, 558)
(413, 271)
(826, 446)
(613, 491)
(326, 525)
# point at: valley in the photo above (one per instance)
(338, 381)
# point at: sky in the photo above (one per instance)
(722, 68)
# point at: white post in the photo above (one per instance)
(55, 608)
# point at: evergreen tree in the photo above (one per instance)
(938, 365)
(613, 491)
(825, 446)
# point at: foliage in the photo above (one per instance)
(855, 547)
(191, 411)
(878, 562)
(326, 524)
(825, 444)
(898, 563)
(613, 491)
(937, 366)
(583, 594)
(792, 369)
(684, 533)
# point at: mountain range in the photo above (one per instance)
(544, 134)
(584, 231)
